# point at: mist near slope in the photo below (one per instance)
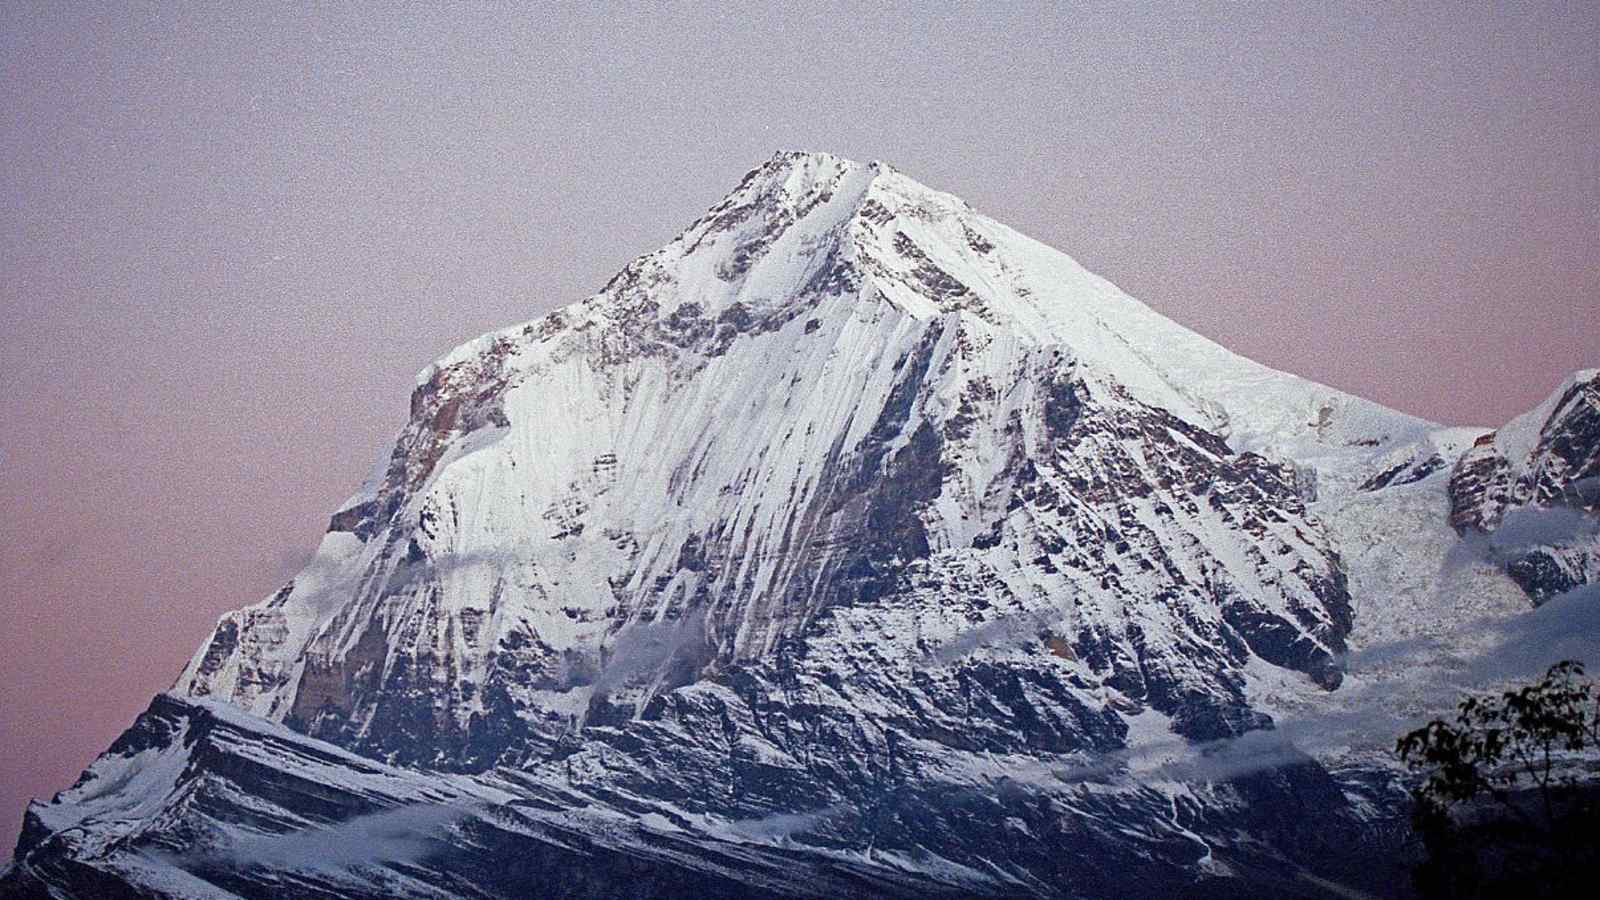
(1521, 648)
(1525, 529)
(1010, 630)
(782, 826)
(407, 835)
(644, 648)
(638, 648)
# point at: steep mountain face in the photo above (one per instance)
(804, 558)
(840, 394)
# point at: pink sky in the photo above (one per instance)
(231, 236)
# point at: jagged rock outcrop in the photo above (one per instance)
(1533, 488)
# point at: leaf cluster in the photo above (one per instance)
(1502, 781)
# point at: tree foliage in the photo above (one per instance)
(1507, 801)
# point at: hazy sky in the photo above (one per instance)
(232, 234)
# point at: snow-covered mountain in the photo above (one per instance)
(813, 554)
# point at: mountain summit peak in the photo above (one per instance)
(797, 182)
(809, 238)
(815, 160)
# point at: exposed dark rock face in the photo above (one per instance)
(1408, 472)
(1550, 462)
(380, 831)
